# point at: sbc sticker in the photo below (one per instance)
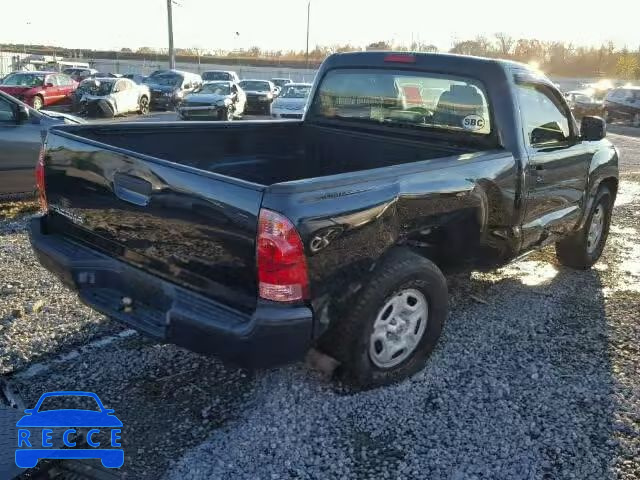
(473, 122)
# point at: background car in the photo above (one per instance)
(21, 130)
(114, 96)
(40, 89)
(79, 74)
(260, 95)
(219, 100)
(280, 83)
(135, 77)
(169, 88)
(623, 104)
(583, 103)
(220, 75)
(292, 101)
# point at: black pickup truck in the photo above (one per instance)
(258, 240)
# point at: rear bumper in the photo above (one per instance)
(274, 334)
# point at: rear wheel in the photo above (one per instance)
(394, 323)
(38, 102)
(143, 107)
(583, 248)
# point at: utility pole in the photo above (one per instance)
(172, 55)
(308, 16)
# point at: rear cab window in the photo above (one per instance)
(403, 99)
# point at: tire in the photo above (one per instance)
(267, 110)
(580, 250)
(636, 120)
(227, 114)
(606, 116)
(38, 102)
(402, 275)
(143, 106)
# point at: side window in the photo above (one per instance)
(545, 119)
(6, 111)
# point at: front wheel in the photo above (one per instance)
(394, 323)
(38, 102)
(583, 248)
(143, 106)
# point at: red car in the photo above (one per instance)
(40, 89)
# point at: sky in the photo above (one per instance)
(281, 24)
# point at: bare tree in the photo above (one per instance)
(505, 43)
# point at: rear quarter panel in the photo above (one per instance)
(447, 209)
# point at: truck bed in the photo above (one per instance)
(266, 153)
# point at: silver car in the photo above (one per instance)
(292, 101)
(214, 100)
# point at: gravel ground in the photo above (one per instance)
(536, 376)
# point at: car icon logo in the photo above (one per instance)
(36, 433)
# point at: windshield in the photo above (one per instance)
(255, 86)
(296, 91)
(216, 88)
(103, 88)
(403, 98)
(167, 80)
(208, 76)
(24, 80)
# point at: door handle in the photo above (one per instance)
(132, 189)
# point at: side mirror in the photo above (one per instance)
(48, 84)
(22, 114)
(547, 133)
(109, 411)
(593, 129)
(29, 411)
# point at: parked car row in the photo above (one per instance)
(87, 91)
(614, 105)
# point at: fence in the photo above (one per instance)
(244, 71)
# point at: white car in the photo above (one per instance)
(115, 96)
(292, 101)
(214, 100)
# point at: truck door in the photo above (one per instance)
(556, 176)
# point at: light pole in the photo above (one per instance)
(308, 17)
(172, 55)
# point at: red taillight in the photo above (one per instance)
(400, 58)
(282, 266)
(42, 194)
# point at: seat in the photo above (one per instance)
(457, 103)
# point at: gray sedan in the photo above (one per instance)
(21, 131)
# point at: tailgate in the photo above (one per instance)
(193, 228)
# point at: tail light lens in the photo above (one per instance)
(42, 194)
(282, 266)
